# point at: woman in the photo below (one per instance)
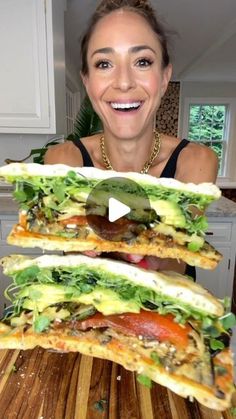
(126, 70)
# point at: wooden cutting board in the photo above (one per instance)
(40, 384)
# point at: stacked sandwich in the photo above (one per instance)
(160, 324)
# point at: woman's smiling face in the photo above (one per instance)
(125, 79)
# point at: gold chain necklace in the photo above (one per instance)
(154, 153)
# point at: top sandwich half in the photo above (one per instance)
(58, 211)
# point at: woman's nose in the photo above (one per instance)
(124, 78)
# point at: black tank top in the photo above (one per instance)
(168, 172)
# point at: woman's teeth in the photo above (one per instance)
(126, 106)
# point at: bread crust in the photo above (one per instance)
(61, 170)
(89, 343)
(206, 258)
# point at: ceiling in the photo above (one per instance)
(202, 39)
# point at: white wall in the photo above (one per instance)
(17, 147)
(213, 90)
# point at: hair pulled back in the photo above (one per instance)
(141, 7)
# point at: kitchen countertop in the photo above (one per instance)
(7, 205)
(40, 384)
(224, 207)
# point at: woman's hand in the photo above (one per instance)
(91, 253)
(129, 257)
(146, 262)
(154, 263)
(157, 264)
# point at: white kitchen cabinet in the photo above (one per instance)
(32, 82)
(6, 224)
(222, 235)
(217, 281)
(5, 280)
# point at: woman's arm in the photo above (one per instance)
(66, 153)
(197, 163)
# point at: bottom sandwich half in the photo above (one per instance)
(133, 356)
(160, 325)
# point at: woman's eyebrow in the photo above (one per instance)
(106, 50)
(135, 49)
(139, 48)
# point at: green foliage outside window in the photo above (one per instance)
(207, 126)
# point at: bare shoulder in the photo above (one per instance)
(197, 163)
(66, 153)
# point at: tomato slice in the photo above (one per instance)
(111, 229)
(76, 219)
(105, 226)
(146, 323)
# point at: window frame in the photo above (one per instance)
(229, 147)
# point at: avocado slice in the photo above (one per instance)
(40, 296)
(169, 212)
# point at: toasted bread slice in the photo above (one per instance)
(95, 343)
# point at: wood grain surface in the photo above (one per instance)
(40, 384)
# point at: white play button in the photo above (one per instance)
(111, 209)
(117, 210)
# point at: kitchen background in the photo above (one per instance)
(40, 86)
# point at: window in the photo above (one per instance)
(210, 121)
(207, 125)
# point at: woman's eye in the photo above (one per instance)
(102, 64)
(144, 62)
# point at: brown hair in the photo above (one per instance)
(141, 7)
